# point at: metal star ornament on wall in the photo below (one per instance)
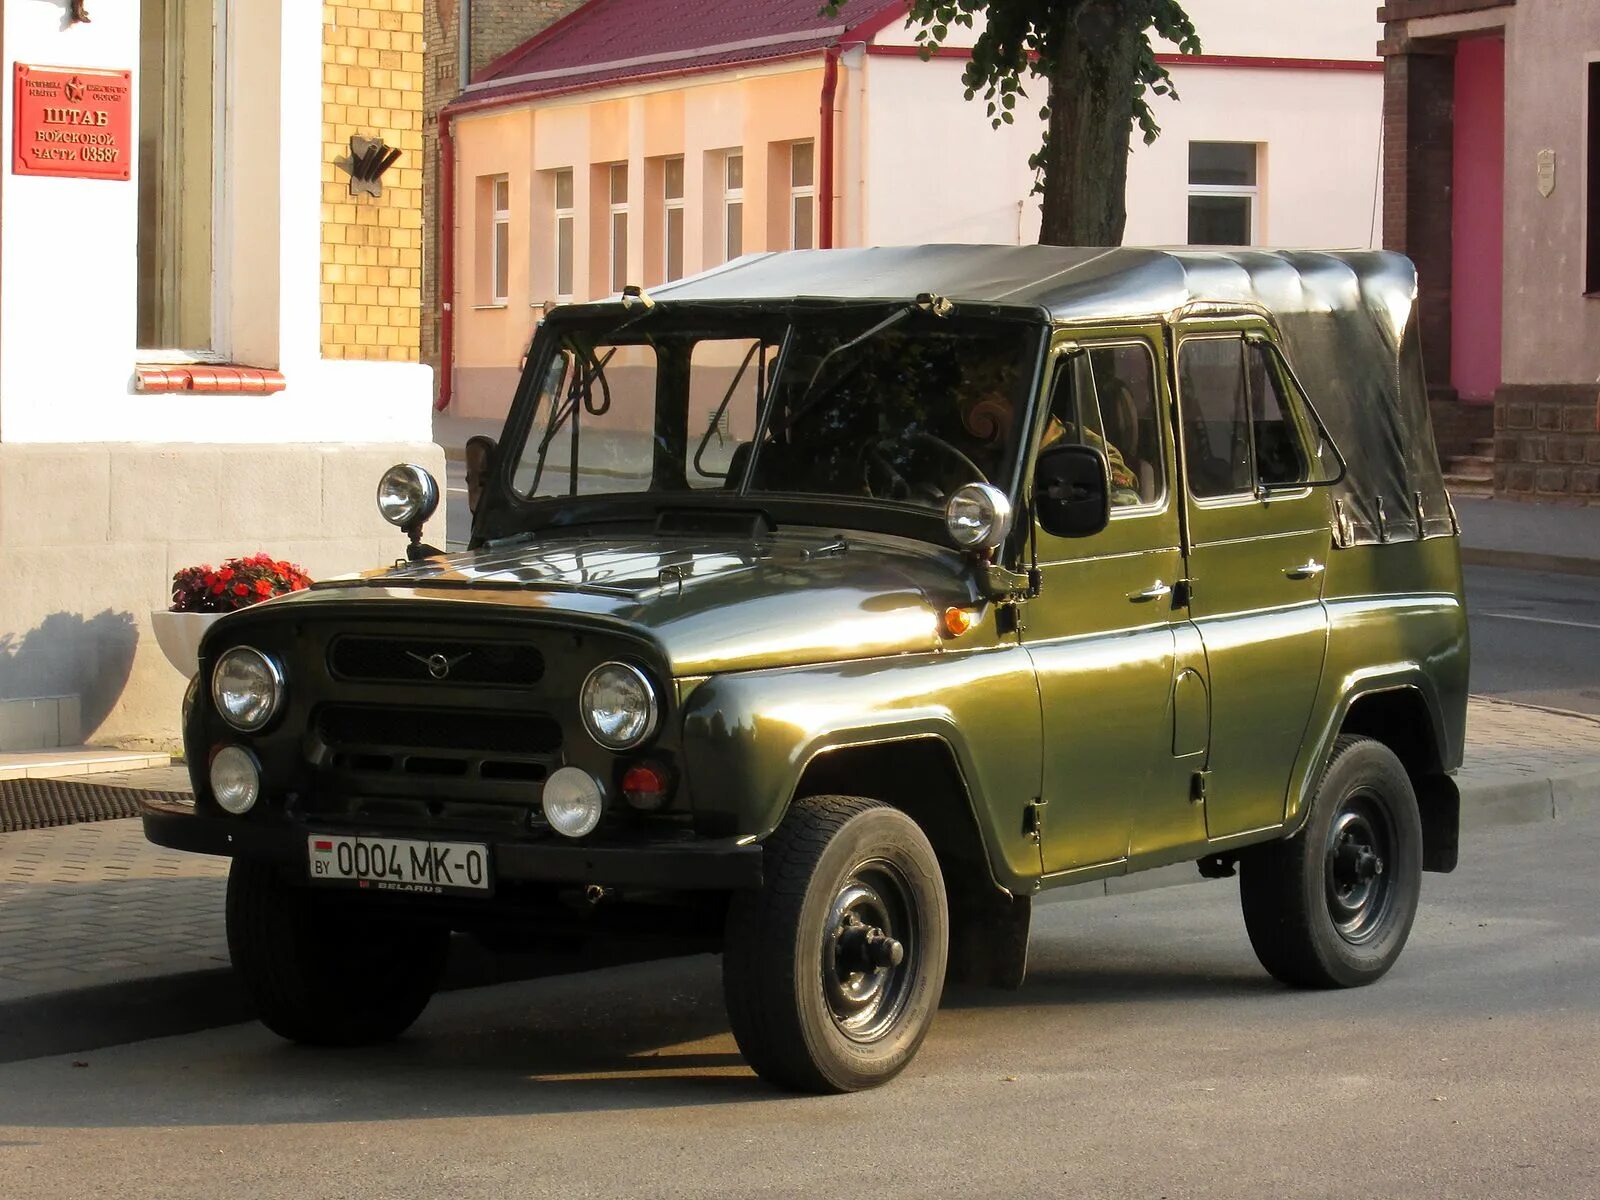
(368, 159)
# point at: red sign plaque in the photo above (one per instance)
(73, 121)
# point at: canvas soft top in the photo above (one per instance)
(1347, 321)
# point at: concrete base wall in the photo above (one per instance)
(91, 534)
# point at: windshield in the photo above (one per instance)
(890, 404)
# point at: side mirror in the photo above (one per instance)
(1072, 490)
(479, 456)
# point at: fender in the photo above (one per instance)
(748, 738)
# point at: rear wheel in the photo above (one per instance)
(833, 969)
(321, 973)
(1333, 905)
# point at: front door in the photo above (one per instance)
(1104, 631)
(1258, 542)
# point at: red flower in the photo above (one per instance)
(240, 589)
(216, 590)
(225, 574)
(263, 588)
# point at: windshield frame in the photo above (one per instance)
(504, 512)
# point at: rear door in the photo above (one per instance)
(1257, 543)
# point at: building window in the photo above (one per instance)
(500, 246)
(1224, 201)
(802, 196)
(1592, 217)
(177, 117)
(565, 215)
(619, 226)
(672, 200)
(733, 204)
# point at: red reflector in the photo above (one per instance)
(324, 845)
(644, 779)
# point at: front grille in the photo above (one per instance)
(444, 744)
(363, 657)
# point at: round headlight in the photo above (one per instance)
(977, 516)
(573, 801)
(247, 688)
(407, 495)
(235, 779)
(619, 705)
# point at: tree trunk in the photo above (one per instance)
(1091, 119)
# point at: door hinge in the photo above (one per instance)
(1033, 818)
(1182, 593)
(1197, 787)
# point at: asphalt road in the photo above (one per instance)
(1535, 638)
(1148, 1056)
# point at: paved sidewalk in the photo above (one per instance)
(86, 906)
(1529, 536)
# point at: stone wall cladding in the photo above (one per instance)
(372, 80)
(1547, 442)
(498, 26)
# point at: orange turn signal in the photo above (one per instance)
(956, 621)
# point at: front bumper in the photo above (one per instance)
(703, 865)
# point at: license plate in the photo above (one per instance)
(400, 864)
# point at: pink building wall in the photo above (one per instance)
(1478, 215)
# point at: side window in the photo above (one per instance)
(1280, 452)
(1213, 398)
(725, 379)
(1105, 397)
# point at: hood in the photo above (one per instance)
(711, 603)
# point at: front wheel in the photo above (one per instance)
(322, 973)
(1333, 905)
(833, 970)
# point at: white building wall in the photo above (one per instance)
(936, 171)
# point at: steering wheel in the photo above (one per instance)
(923, 491)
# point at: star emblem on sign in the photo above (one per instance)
(75, 89)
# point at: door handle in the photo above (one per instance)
(1155, 591)
(1309, 569)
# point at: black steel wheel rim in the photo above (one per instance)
(1359, 874)
(871, 939)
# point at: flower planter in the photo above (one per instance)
(179, 634)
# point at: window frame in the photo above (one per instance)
(569, 215)
(221, 309)
(617, 265)
(730, 196)
(499, 259)
(798, 192)
(1250, 192)
(669, 205)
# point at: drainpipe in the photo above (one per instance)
(463, 44)
(447, 259)
(830, 85)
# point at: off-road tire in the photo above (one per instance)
(323, 974)
(1290, 890)
(773, 969)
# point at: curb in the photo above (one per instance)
(1527, 560)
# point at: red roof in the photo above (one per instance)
(608, 41)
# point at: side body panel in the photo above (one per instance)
(748, 736)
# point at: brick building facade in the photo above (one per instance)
(1492, 185)
(497, 27)
(372, 71)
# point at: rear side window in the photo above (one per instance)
(1238, 426)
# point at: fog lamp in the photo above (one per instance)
(977, 516)
(407, 495)
(235, 779)
(573, 801)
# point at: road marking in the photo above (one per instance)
(1541, 620)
